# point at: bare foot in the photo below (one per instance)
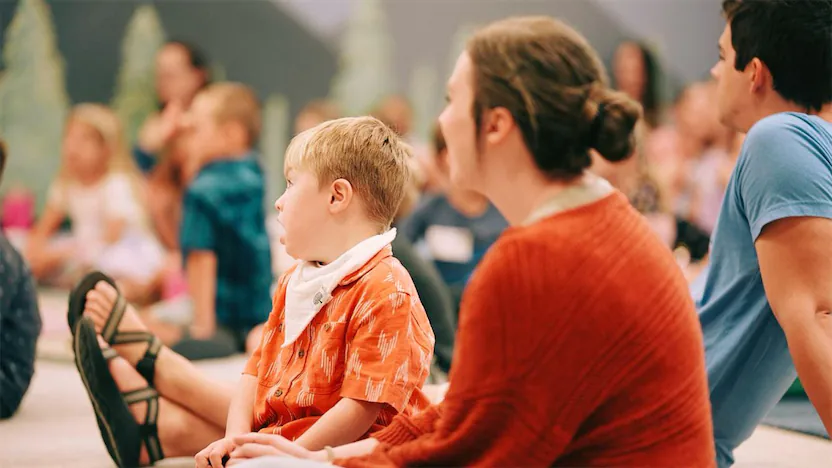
(99, 303)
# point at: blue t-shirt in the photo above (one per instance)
(784, 170)
(223, 213)
(456, 243)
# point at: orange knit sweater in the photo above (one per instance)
(578, 345)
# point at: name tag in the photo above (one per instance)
(450, 244)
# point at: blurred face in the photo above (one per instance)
(458, 127)
(628, 69)
(697, 115)
(176, 79)
(85, 153)
(307, 120)
(304, 214)
(205, 136)
(733, 94)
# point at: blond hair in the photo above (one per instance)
(108, 126)
(363, 151)
(237, 102)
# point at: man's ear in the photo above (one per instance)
(760, 74)
(340, 195)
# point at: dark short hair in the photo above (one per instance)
(793, 38)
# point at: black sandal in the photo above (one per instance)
(77, 301)
(122, 435)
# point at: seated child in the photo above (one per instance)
(20, 323)
(347, 345)
(455, 226)
(223, 239)
(99, 190)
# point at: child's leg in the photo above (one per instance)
(181, 432)
(176, 378)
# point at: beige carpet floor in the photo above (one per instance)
(55, 427)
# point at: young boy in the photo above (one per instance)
(223, 236)
(347, 345)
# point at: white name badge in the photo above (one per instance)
(450, 244)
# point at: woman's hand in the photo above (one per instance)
(256, 445)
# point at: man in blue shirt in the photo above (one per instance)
(765, 300)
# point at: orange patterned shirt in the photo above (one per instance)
(372, 342)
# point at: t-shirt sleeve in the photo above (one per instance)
(388, 354)
(121, 200)
(784, 173)
(197, 231)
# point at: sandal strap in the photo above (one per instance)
(149, 430)
(147, 364)
(132, 337)
(109, 354)
(140, 395)
(110, 330)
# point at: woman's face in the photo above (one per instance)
(628, 70)
(176, 78)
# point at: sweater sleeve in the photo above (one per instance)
(482, 419)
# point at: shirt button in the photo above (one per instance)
(301, 354)
(327, 327)
(280, 327)
(278, 393)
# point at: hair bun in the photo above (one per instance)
(612, 128)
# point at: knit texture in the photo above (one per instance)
(578, 345)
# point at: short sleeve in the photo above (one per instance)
(388, 353)
(197, 230)
(121, 201)
(784, 172)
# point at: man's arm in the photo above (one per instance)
(795, 257)
(201, 271)
(346, 422)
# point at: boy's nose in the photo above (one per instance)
(278, 205)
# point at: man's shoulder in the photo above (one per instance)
(787, 129)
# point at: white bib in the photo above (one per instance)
(310, 286)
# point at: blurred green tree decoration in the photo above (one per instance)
(273, 143)
(135, 95)
(425, 97)
(365, 63)
(33, 99)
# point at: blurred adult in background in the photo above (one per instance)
(181, 71)
(456, 226)
(636, 72)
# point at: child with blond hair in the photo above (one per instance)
(347, 345)
(98, 189)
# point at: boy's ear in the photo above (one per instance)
(340, 195)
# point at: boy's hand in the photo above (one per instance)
(260, 445)
(215, 454)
